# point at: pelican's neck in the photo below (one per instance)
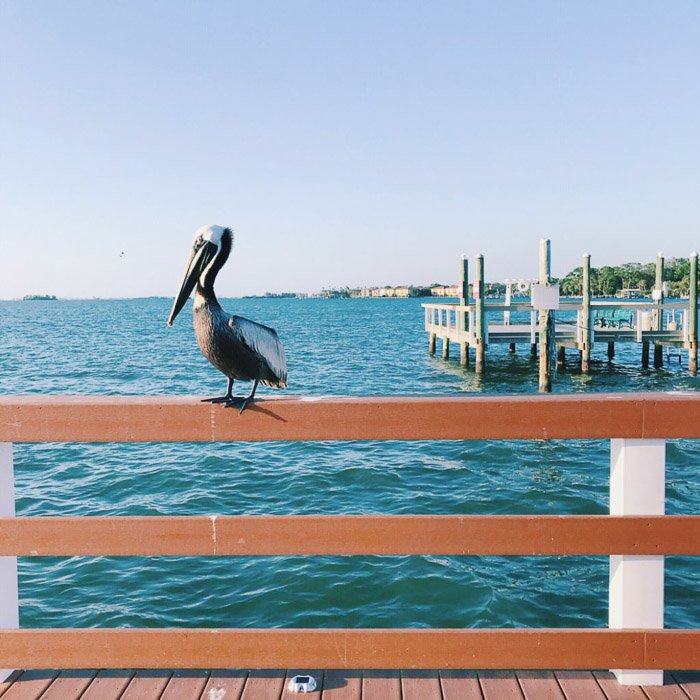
(204, 296)
(205, 284)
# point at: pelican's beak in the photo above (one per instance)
(201, 255)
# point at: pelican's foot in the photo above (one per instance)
(218, 399)
(239, 402)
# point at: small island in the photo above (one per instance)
(39, 297)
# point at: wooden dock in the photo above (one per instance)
(636, 536)
(549, 325)
(340, 685)
(612, 321)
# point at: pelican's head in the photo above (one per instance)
(211, 247)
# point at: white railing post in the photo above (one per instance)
(636, 594)
(9, 594)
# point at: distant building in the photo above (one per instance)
(630, 293)
(405, 291)
(440, 290)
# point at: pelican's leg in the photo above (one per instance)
(223, 399)
(245, 401)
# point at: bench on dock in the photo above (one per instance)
(636, 535)
(613, 318)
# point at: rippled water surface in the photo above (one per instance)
(358, 346)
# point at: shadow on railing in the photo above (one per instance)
(635, 535)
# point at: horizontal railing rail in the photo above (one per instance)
(350, 648)
(636, 535)
(186, 419)
(255, 535)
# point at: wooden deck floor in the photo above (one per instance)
(339, 685)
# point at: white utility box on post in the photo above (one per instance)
(545, 297)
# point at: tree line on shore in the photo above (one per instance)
(610, 279)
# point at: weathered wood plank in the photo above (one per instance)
(420, 685)
(539, 685)
(579, 685)
(147, 684)
(460, 685)
(349, 648)
(108, 684)
(670, 690)
(186, 419)
(381, 685)
(264, 685)
(342, 685)
(31, 685)
(499, 685)
(5, 685)
(69, 685)
(185, 684)
(690, 682)
(350, 535)
(225, 685)
(614, 691)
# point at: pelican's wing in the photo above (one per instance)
(263, 341)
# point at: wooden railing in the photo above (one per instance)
(635, 535)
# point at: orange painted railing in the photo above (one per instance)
(637, 423)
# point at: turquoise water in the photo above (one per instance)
(358, 346)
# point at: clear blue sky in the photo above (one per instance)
(345, 142)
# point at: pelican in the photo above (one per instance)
(236, 346)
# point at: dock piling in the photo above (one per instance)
(445, 348)
(463, 322)
(464, 291)
(561, 356)
(586, 315)
(480, 321)
(464, 354)
(431, 343)
(645, 354)
(547, 335)
(659, 296)
(611, 350)
(693, 316)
